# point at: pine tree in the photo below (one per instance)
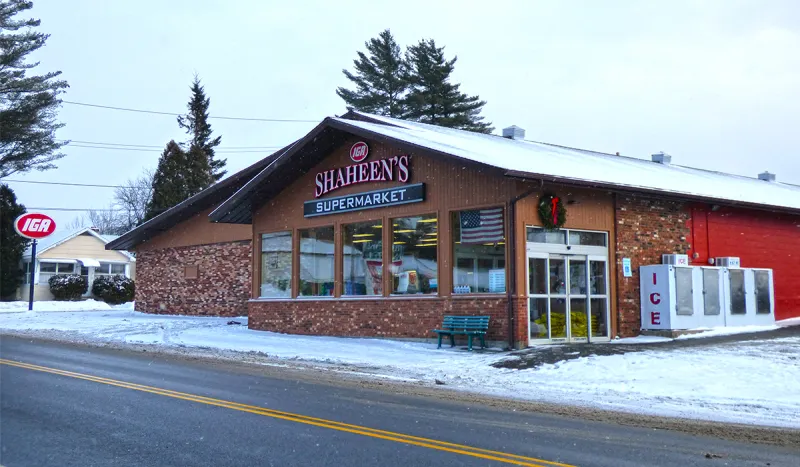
(433, 98)
(28, 104)
(379, 78)
(179, 175)
(195, 122)
(12, 245)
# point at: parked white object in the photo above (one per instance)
(690, 297)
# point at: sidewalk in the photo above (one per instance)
(753, 380)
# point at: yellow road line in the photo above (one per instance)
(320, 422)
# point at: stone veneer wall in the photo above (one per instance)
(222, 286)
(646, 229)
(377, 317)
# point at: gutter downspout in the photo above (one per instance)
(512, 265)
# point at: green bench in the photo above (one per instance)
(470, 326)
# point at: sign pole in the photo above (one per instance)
(33, 273)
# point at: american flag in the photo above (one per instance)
(484, 226)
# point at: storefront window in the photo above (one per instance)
(579, 237)
(414, 255)
(276, 265)
(479, 248)
(316, 262)
(363, 258)
(540, 235)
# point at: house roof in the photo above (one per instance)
(60, 238)
(191, 206)
(517, 158)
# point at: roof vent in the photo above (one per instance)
(661, 158)
(514, 132)
(766, 176)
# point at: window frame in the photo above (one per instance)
(340, 230)
(476, 258)
(298, 270)
(260, 269)
(57, 272)
(389, 223)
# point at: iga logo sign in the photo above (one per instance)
(359, 151)
(35, 225)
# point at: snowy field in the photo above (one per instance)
(753, 381)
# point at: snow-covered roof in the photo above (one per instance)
(536, 159)
(58, 238)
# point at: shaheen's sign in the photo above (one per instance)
(381, 170)
(372, 199)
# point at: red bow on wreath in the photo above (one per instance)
(554, 209)
(552, 212)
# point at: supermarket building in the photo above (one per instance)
(378, 227)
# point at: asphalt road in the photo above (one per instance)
(66, 405)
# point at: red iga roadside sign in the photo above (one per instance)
(35, 225)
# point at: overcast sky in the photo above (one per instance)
(714, 83)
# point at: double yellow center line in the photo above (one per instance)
(297, 418)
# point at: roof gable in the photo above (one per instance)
(207, 198)
(55, 240)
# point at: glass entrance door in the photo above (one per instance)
(568, 297)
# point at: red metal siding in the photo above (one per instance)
(761, 240)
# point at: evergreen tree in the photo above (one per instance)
(433, 98)
(12, 245)
(180, 174)
(28, 104)
(379, 78)
(195, 122)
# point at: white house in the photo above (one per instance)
(75, 252)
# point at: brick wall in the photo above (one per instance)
(222, 287)
(646, 229)
(379, 317)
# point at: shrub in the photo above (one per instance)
(68, 286)
(114, 289)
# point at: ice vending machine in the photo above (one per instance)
(681, 297)
(750, 297)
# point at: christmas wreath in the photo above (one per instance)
(552, 212)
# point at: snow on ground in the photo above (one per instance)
(728, 331)
(756, 381)
(84, 305)
(641, 340)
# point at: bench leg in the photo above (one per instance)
(483, 342)
(452, 340)
(440, 342)
(469, 344)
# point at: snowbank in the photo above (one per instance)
(754, 381)
(84, 305)
(728, 331)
